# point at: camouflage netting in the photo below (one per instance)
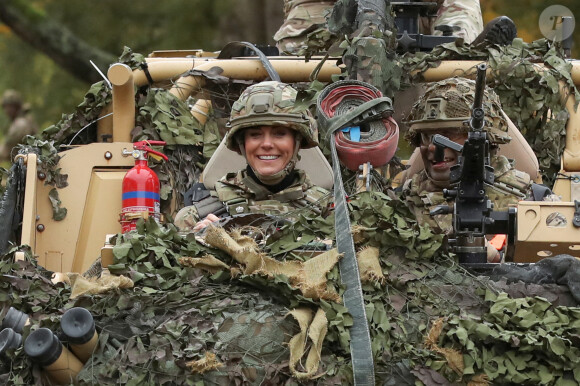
(230, 312)
(159, 116)
(225, 310)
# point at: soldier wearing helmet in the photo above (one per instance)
(22, 123)
(268, 130)
(444, 109)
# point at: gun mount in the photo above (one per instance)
(407, 23)
(473, 213)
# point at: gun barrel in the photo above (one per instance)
(477, 114)
(480, 85)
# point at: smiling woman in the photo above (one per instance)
(268, 130)
(269, 149)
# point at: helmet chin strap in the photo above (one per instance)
(276, 178)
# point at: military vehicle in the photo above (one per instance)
(176, 309)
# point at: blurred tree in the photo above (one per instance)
(72, 33)
(53, 39)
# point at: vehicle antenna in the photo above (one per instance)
(102, 75)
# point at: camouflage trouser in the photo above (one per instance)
(465, 14)
(301, 17)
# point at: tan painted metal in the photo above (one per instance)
(290, 70)
(165, 69)
(567, 186)
(105, 124)
(545, 229)
(450, 68)
(28, 236)
(178, 54)
(468, 68)
(362, 177)
(200, 110)
(121, 77)
(571, 156)
(93, 202)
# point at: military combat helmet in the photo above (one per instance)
(11, 97)
(447, 105)
(270, 104)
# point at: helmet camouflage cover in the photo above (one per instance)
(447, 104)
(270, 104)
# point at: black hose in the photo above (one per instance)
(233, 49)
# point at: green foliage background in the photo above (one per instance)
(144, 25)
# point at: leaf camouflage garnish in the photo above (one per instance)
(177, 315)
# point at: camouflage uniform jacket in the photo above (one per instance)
(241, 194)
(422, 195)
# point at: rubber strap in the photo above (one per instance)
(360, 340)
(145, 69)
(236, 49)
(373, 109)
(540, 191)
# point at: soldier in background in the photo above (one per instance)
(268, 131)
(308, 17)
(21, 123)
(443, 110)
(463, 16)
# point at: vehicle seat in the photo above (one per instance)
(517, 149)
(225, 161)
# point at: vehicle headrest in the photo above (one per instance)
(224, 161)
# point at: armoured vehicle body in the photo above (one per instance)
(93, 201)
(73, 243)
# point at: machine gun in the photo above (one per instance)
(473, 214)
(407, 22)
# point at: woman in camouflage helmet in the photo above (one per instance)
(268, 130)
(444, 109)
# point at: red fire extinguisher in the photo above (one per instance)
(140, 187)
